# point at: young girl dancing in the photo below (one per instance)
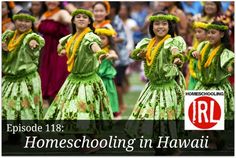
(162, 97)
(106, 70)
(201, 35)
(21, 85)
(215, 64)
(83, 95)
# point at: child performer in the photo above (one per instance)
(162, 98)
(101, 10)
(21, 85)
(200, 34)
(106, 70)
(83, 95)
(215, 64)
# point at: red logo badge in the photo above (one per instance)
(204, 112)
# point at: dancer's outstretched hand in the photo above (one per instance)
(196, 54)
(33, 44)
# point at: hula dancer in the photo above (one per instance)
(216, 64)
(21, 85)
(162, 97)
(200, 34)
(106, 70)
(83, 95)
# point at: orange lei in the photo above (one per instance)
(50, 13)
(4, 22)
(76, 38)
(149, 55)
(14, 42)
(102, 24)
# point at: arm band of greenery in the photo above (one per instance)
(217, 27)
(231, 63)
(189, 54)
(37, 38)
(60, 49)
(23, 17)
(134, 54)
(100, 52)
(164, 17)
(82, 11)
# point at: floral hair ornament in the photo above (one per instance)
(23, 16)
(226, 20)
(105, 31)
(108, 7)
(217, 27)
(168, 17)
(198, 24)
(82, 11)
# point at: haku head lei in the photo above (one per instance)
(105, 31)
(217, 27)
(167, 17)
(82, 11)
(198, 24)
(23, 16)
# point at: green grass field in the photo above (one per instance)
(131, 97)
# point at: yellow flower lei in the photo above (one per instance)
(212, 55)
(210, 58)
(77, 41)
(202, 55)
(191, 62)
(149, 55)
(106, 49)
(191, 69)
(15, 42)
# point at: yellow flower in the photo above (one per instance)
(171, 114)
(150, 55)
(62, 105)
(162, 115)
(25, 103)
(11, 103)
(92, 108)
(77, 38)
(150, 112)
(36, 99)
(82, 106)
